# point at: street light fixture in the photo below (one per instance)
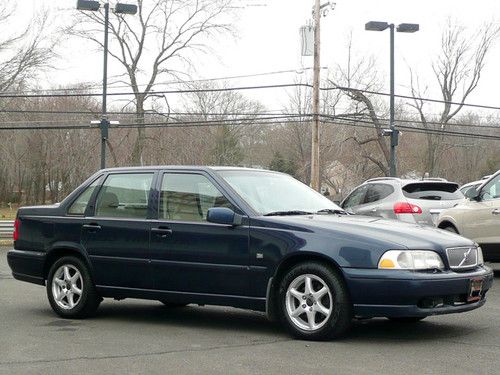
(94, 6)
(401, 28)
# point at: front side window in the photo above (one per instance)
(125, 196)
(187, 197)
(80, 204)
(491, 190)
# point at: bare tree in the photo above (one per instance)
(354, 79)
(22, 54)
(457, 71)
(160, 41)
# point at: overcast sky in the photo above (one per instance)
(269, 41)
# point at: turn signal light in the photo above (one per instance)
(406, 208)
(15, 234)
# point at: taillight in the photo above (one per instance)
(15, 234)
(406, 208)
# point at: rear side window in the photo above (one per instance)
(437, 191)
(377, 192)
(80, 204)
(356, 197)
(125, 195)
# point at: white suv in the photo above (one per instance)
(478, 217)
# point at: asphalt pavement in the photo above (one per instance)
(143, 337)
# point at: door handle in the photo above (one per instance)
(91, 227)
(496, 211)
(162, 232)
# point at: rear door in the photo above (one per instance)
(376, 201)
(116, 233)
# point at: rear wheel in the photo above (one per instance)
(314, 302)
(70, 290)
(407, 319)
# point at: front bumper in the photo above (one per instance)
(27, 265)
(392, 293)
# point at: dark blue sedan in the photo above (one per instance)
(240, 237)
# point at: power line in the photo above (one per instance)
(93, 85)
(343, 121)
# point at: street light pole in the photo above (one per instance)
(104, 125)
(94, 6)
(393, 132)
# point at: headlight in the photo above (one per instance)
(480, 259)
(410, 260)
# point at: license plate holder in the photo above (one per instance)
(475, 289)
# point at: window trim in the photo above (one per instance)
(221, 189)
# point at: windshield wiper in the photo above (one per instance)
(287, 213)
(332, 211)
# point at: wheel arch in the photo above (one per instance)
(58, 250)
(448, 223)
(286, 264)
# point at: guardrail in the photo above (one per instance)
(6, 229)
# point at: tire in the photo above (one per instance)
(73, 297)
(451, 229)
(318, 309)
(173, 305)
(406, 319)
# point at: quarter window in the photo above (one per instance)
(187, 197)
(80, 204)
(124, 195)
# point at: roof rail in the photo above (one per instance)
(383, 178)
(434, 179)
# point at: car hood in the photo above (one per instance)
(383, 232)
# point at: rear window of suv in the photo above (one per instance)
(437, 191)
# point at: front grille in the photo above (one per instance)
(462, 257)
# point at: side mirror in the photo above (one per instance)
(473, 194)
(223, 215)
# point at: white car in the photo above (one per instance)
(478, 217)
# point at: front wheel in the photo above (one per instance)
(314, 302)
(70, 290)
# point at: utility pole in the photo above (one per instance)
(315, 179)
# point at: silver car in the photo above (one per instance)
(413, 201)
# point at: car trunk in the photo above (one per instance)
(432, 197)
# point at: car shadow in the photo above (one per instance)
(228, 320)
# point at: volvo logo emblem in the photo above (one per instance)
(466, 255)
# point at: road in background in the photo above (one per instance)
(134, 337)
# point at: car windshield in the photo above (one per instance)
(277, 193)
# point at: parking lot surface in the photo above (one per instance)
(143, 337)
